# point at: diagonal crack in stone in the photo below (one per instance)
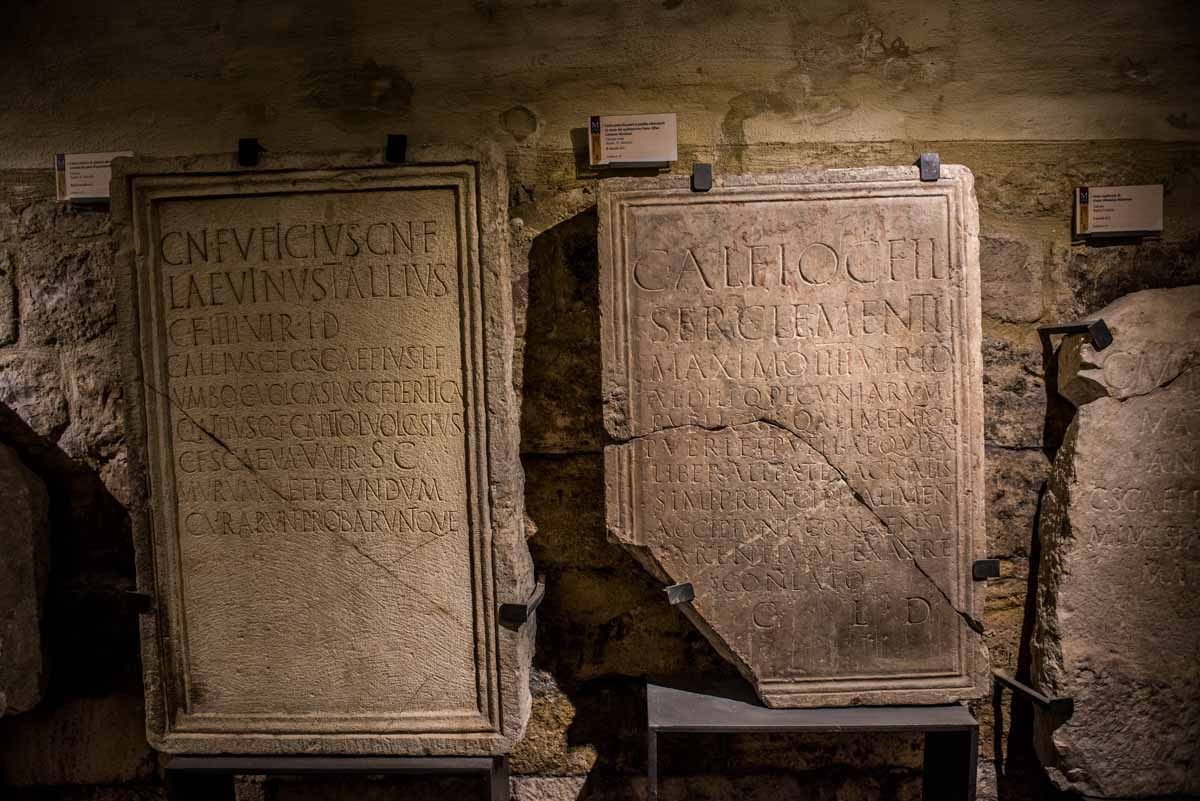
(968, 619)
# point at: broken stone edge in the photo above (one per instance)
(511, 568)
(974, 681)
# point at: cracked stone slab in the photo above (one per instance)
(24, 570)
(326, 489)
(1118, 616)
(792, 368)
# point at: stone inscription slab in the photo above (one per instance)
(793, 365)
(1118, 614)
(322, 373)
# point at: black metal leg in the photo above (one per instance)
(651, 765)
(950, 765)
(186, 785)
(500, 790)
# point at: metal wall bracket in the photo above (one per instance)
(516, 615)
(1062, 708)
(1097, 330)
(140, 601)
(680, 593)
(396, 149)
(702, 177)
(930, 165)
(248, 151)
(984, 569)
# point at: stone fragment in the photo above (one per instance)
(323, 454)
(31, 389)
(8, 300)
(793, 366)
(24, 569)
(1118, 616)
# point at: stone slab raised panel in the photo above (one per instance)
(329, 511)
(792, 364)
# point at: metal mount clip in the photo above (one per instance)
(516, 615)
(248, 151)
(680, 593)
(984, 569)
(139, 600)
(396, 148)
(930, 165)
(1062, 708)
(1097, 330)
(702, 177)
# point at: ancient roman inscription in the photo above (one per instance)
(1118, 616)
(795, 367)
(313, 376)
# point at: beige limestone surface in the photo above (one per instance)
(24, 571)
(328, 502)
(1118, 615)
(792, 363)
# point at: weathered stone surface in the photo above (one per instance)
(95, 400)
(1118, 617)
(1014, 481)
(79, 740)
(24, 570)
(8, 300)
(31, 388)
(66, 289)
(1014, 392)
(1011, 287)
(793, 362)
(318, 367)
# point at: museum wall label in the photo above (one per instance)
(318, 364)
(793, 365)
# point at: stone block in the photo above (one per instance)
(24, 572)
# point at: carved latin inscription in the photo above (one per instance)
(794, 363)
(313, 371)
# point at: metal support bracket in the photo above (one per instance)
(1062, 708)
(680, 593)
(248, 152)
(930, 165)
(984, 569)
(140, 601)
(702, 177)
(1097, 330)
(517, 615)
(396, 148)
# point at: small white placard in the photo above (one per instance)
(1101, 210)
(84, 176)
(632, 139)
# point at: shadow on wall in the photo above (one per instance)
(89, 725)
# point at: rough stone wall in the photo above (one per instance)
(1028, 97)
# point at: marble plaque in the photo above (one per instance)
(792, 365)
(322, 413)
(1118, 614)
